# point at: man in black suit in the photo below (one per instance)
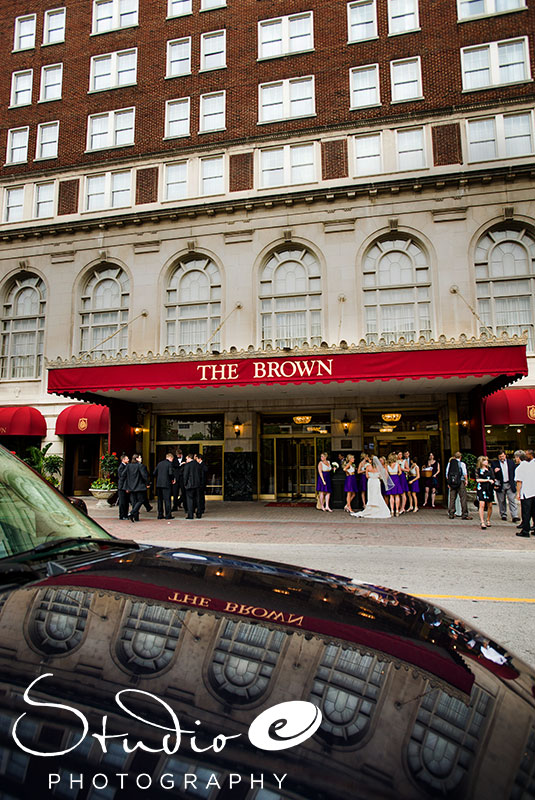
(192, 485)
(178, 488)
(503, 472)
(164, 481)
(204, 480)
(137, 483)
(123, 497)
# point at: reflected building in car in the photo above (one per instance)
(410, 708)
(265, 216)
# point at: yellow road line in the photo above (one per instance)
(476, 597)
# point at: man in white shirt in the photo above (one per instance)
(525, 491)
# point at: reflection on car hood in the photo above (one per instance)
(292, 683)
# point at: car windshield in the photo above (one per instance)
(32, 512)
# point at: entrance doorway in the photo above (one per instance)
(212, 455)
(295, 467)
(418, 445)
(82, 455)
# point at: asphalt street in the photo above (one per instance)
(485, 577)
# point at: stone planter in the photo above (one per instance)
(102, 496)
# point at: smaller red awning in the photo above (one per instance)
(510, 407)
(21, 421)
(83, 419)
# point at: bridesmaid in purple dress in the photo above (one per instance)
(350, 485)
(394, 470)
(323, 483)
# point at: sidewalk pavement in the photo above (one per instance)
(256, 522)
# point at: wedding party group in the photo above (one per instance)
(388, 487)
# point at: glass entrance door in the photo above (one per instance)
(295, 462)
(212, 455)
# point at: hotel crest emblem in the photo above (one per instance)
(82, 424)
(531, 412)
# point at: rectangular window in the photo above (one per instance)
(110, 15)
(411, 148)
(113, 69)
(213, 50)
(361, 21)
(14, 204)
(286, 99)
(24, 32)
(51, 82)
(212, 177)
(176, 181)
(179, 57)
(402, 16)
(178, 8)
(285, 35)
(484, 8)
(108, 190)
(206, 5)
(44, 200)
(481, 139)
(212, 112)
(17, 146)
(495, 64)
(287, 166)
(47, 140)
(177, 117)
(54, 26)
(406, 78)
(502, 136)
(368, 154)
(21, 88)
(112, 129)
(364, 86)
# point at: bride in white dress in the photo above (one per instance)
(375, 508)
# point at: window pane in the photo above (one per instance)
(44, 200)
(48, 140)
(213, 50)
(482, 139)
(301, 100)
(362, 21)
(368, 154)
(476, 68)
(271, 102)
(511, 62)
(364, 87)
(179, 7)
(411, 149)
(52, 80)
(120, 189)
(271, 38)
(300, 33)
(124, 127)
(406, 80)
(402, 16)
(179, 57)
(95, 192)
(272, 166)
(518, 135)
(302, 163)
(212, 175)
(54, 26)
(176, 181)
(178, 118)
(14, 204)
(212, 112)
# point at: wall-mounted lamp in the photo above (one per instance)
(465, 423)
(237, 427)
(346, 422)
(138, 431)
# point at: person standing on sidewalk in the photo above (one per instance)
(457, 480)
(192, 486)
(164, 482)
(178, 488)
(123, 497)
(503, 470)
(525, 489)
(201, 508)
(484, 490)
(137, 483)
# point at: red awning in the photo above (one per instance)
(83, 419)
(21, 421)
(510, 407)
(395, 365)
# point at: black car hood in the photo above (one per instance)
(166, 672)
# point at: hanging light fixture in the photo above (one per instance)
(391, 417)
(302, 419)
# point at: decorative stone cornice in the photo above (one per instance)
(442, 343)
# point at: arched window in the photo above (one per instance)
(346, 689)
(505, 276)
(105, 311)
(23, 325)
(149, 636)
(193, 305)
(396, 282)
(290, 299)
(58, 620)
(244, 659)
(445, 738)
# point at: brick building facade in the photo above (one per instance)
(195, 178)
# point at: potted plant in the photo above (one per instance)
(106, 484)
(49, 466)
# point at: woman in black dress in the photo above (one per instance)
(484, 490)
